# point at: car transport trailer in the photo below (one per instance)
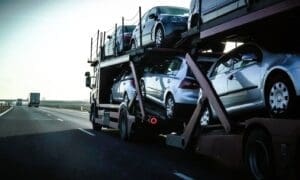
(267, 147)
(137, 112)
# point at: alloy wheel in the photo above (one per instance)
(170, 104)
(279, 98)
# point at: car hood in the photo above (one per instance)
(175, 18)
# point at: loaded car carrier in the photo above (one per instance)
(266, 146)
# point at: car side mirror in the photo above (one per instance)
(87, 80)
(249, 57)
(153, 16)
(109, 37)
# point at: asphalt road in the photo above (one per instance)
(44, 143)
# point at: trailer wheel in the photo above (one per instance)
(124, 134)
(93, 115)
(258, 154)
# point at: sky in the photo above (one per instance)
(44, 44)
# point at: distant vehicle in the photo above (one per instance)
(123, 88)
(116, 46)
(172, 85)
(19, 102)
(160, 24)
(211, 9)
(34, 99)
(251, 78)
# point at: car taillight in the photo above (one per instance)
(189, 84)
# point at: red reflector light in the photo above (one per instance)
(189, 84)
(153, 121)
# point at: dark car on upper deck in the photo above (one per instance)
(118, 42)
(161, 25)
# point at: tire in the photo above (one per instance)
(280, 97)
(258, 155)
(195, 21)
(170, 107)
(126, 99)
(206, 116)
(159, 37)
(93, 115)
(143, 89)
(111, 101)
(123, 125)
(133, 45)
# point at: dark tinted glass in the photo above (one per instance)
(128, 29)
(173, 11)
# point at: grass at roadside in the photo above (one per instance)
(3, 108)
(75, 105)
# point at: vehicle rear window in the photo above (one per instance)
(128, 29)
(173, 11)
(204, 66)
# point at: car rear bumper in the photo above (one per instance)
(186, 96)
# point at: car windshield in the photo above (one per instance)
(173, 11)
(128, 29)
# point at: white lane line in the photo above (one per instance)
(183, 176)
(85, 131)
(6, 111)
(60, 120)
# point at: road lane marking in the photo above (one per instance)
(60, 120)
(49, 114)
(183, 176)
(6, 111)
(85, 131)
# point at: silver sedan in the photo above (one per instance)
(123, 89)
(250, 78)
(172, 85)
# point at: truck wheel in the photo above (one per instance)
(123, 125)
(96, 127)
(258, 155)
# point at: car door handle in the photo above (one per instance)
(231, 77)
(169, 80)
(156, 79)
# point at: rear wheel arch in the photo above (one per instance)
(158, 25)
(167, 94)
(273, 74)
